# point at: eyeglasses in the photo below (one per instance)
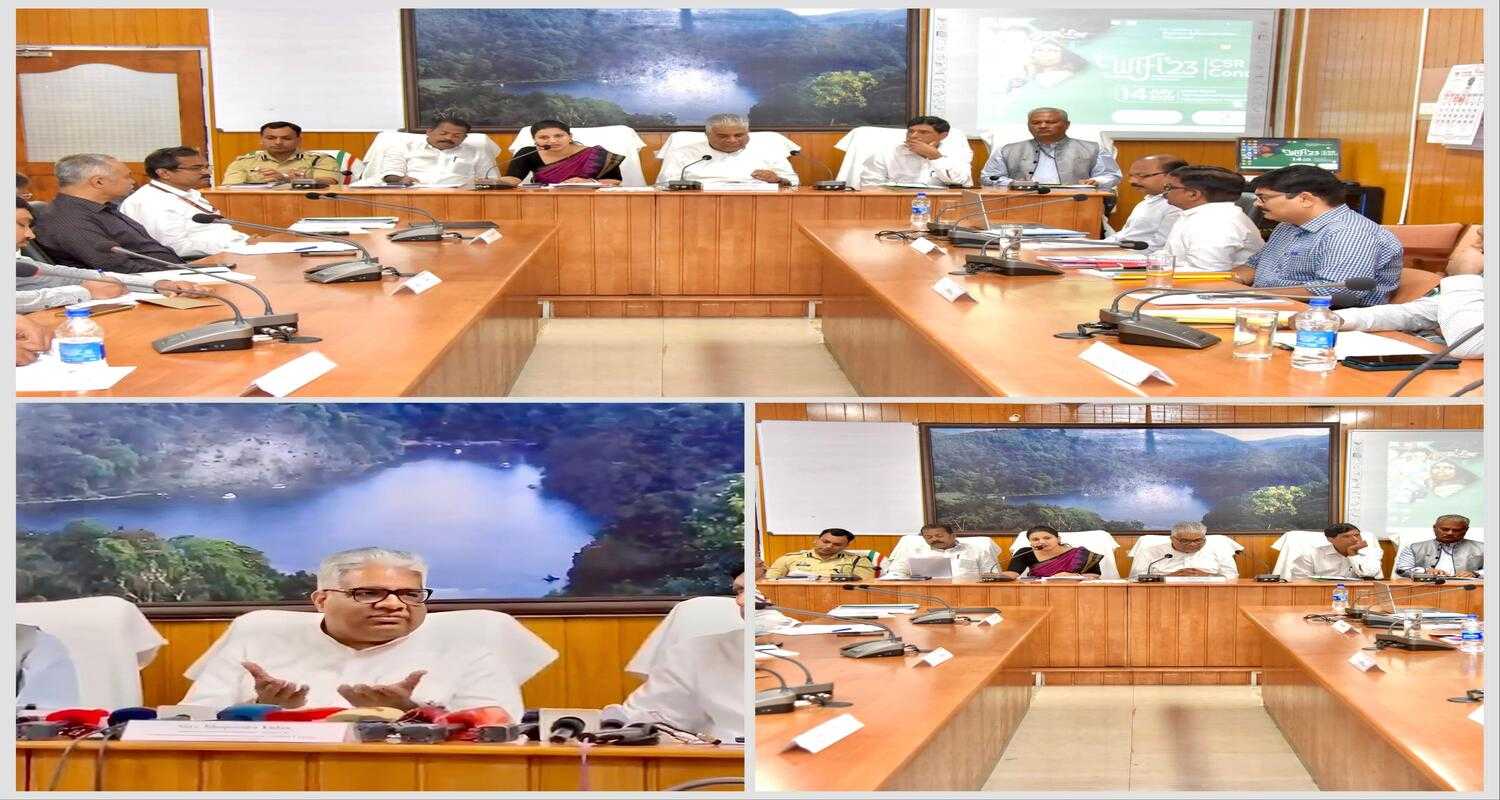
(1266, 198)
(194, 168)
(1146, 175)
(370, 595)
(1171, 188)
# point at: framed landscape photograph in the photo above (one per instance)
(235, 502)
(1232, 478)
(660, 68)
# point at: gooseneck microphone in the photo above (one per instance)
(366, 268)
(833, 184)
(684, 185)
(1434, 358)
(431, 232)
(269, 322)
(1148, 576)
(947, 615)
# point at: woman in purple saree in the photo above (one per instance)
(1048, 557)
(556, 158)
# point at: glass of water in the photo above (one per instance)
(1254, 332)
(1159, 271)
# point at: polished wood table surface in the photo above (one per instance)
(468, 336)
(1131, 633)
(896, 337)
(657, 253)
(451, 767)
(925, 728)
(1391, 729)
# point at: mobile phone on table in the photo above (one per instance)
(1407, 361)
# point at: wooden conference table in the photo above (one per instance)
(468, 336)
(925, 728)
(896, 337)
(1130, 633)
(363, 766)
(1388, 730)
(647, 253)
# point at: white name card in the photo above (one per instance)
(419, 283)
(292, 375)
(1364, 662)
(937, 656)
(1342, 626)
(818, 738)
(993, 619)
(159, 730)
(489, 236)
(1478, 715)
(924, 245)
(951, 290)
(1126, 367)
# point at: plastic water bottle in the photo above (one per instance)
(79, 340)
(1317, 331)
(1471, 637)
(1340, 599)
(921, 211)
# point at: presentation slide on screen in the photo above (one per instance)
(1142, 73)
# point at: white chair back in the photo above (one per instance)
(695, 616)
(865, 141)
(1292, 544)
(1100, 542)
(109, 640)
(385, 139)
(618, 139)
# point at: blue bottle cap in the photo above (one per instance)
(78, 312)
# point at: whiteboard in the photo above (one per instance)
(865, 477)
(1397, 483)
(1118, 73)
(332, 68)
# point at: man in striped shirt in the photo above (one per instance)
(1320, 239)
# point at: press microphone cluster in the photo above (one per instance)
(365, 268)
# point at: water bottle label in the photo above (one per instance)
(1317, 340)
(80, 352)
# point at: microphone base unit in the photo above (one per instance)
(812, 690)
(876, 649)
(38, 731)
(995, 579)
(272, 324)
(1150, 578)
(1004, 266)
(210, 338)
(775, 701)
(1269, 577)
(831, 186)
(1426, 578)
(346, 272)
(304, 184)
(491, 186)
(937, 616)
(843, 578)
(1156, 332)
(684, 186)
(418, 233)
(1396, 640)
(423, 733)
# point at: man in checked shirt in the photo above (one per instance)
(1320, 239)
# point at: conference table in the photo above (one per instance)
(363, 766)
(1387, 729)
(1102, 632)
(468, 336)
(894, 336)
(924, 727)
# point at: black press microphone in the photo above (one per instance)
(431, 232)
(565, 729)
(833, 184)
(889, 645)
(1162, 332)
(947, 615)
(367, 268)
(269, 323)
(1148, 576)
(683, 185)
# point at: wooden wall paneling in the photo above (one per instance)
(774, 233)
(700, 244)
(290, 772)
(1446, 182)
(576, 268)
(805, 259)
(120, 26)
(736, 252)
(640, 233)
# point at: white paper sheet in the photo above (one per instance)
(816, 630)
(270, 248)
(1360, 343)
(194, 277)
(47, 374)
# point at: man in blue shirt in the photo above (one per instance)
(1320, 239)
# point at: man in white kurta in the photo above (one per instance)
(1211, 233)
(1153, 217)
(443, 157)
(45, 675)
(1192, 554)
(1346, 555)
(969, 553)
(165, 206)
(919, 159)
(697, 684)
(727, 155)
(357, 652)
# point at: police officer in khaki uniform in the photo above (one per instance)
(281, 159)
(828, 556)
